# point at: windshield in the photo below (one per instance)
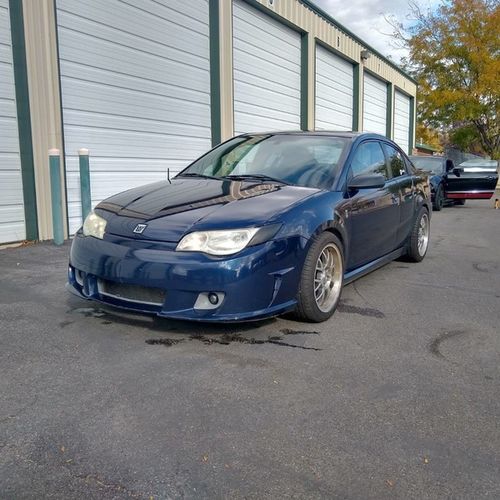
(307, 160)
(428, 163)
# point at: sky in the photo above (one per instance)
(365, 18)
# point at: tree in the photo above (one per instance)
(429, 136)
(454, 53)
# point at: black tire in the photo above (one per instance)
(460, 202)
(310, 306)
(438, 199)
(416, 246)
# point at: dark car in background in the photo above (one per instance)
(475, 179)
(260, 225)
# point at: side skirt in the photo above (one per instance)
(371, 266)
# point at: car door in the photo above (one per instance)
(374, 212)
(403, 181)
(474, 179)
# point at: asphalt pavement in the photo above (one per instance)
(396, 396)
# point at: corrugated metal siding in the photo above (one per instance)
(12, 227)
(334, 91)
(266, 59)
(302, 16)
(135, 90)
(402, 120)
(374, 105)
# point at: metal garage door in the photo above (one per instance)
(266, 59)
(402, 120)
(12, 226)
(374, 105)
(334, 91)
(135, 86)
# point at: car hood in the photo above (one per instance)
(170, 210)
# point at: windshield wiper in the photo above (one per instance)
(202, 176)
(260, 177)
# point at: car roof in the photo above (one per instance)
(334, 133)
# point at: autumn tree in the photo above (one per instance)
(454, 53)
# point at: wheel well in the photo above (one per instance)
(336, 232)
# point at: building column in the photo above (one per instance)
(390, 111)
(357, 110)
(45, 104)
(226, 93)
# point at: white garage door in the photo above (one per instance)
(334, 91)
(402, 121)
(135, 85)
(266, 59)
(12, 227)
(374, 105)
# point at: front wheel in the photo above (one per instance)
(321, 280)
(439, 199)
(419, 237)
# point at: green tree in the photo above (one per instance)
(454, 53)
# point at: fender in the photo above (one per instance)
(322, 212)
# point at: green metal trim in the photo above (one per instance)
(61, 114)
(412, 125)
(23, 118)
(215, 101)
(341, 27)
(390, 110)
(356, 73)
(304, 84)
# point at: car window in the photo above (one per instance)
(434, 164)
(307, 160)
(395, 161)
(369, 159)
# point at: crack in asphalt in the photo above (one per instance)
(434, 346)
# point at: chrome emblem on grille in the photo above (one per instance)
(139, 229)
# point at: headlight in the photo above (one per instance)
(94, 226)
(217, 242)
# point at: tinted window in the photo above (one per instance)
(395, 160)
(306, 160)
(428, 163)
(369, 159)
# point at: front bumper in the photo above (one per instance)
(259, 282)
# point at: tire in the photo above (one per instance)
(419, 237)
(438, 199)
(460, 202)
(319, 291)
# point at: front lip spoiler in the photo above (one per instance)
(192, 315)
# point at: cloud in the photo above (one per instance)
(367, 19)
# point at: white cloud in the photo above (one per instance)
(367, 19)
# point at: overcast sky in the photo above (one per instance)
(366, 19)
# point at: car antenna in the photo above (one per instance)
(168, 176)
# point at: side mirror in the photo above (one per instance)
(458, 171)
(366, 181)
(449, 165)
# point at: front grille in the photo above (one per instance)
(132, 293)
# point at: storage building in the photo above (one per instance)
(147, 85)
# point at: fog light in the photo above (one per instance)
(209, 300)
(213, 298)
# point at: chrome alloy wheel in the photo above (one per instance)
(423, 234)
(328, 278)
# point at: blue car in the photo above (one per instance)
(263, 224)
